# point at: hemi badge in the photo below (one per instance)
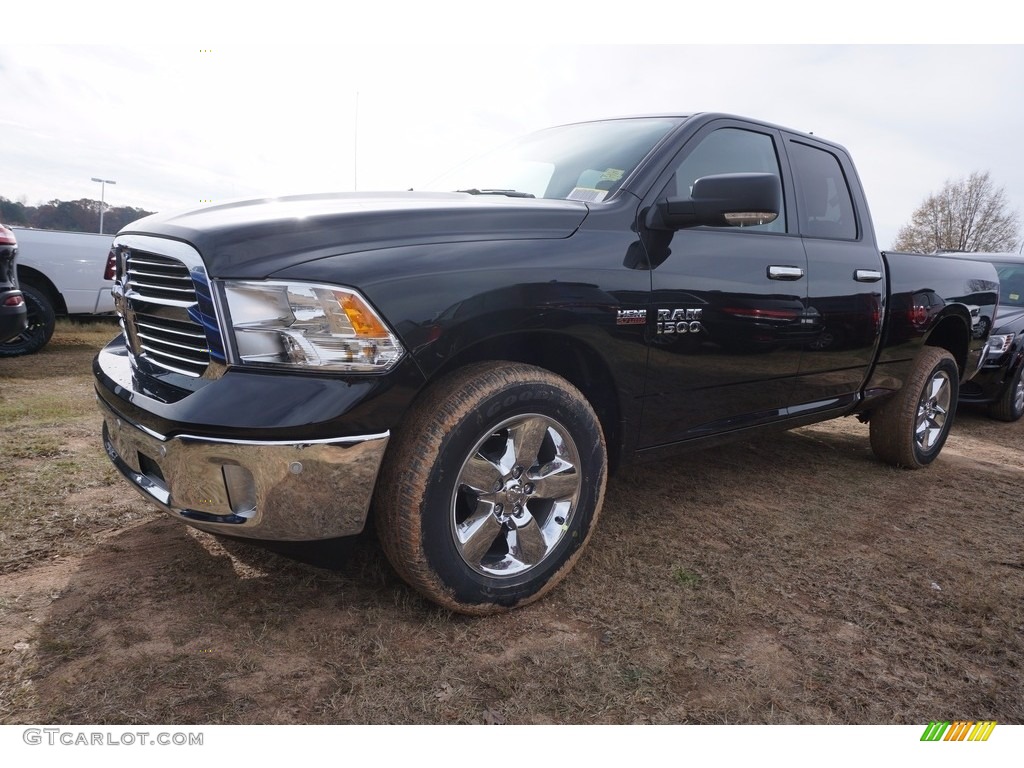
(631, 317)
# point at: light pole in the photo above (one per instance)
(103, 189)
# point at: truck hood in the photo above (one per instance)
(254, 238)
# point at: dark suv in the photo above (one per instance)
(1000, 383)
(13, 313)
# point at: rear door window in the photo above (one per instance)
(823, 195)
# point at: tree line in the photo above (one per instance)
(68, 215)
(969, 214)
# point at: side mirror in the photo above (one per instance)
(724, 200)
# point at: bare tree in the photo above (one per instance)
(967, 215)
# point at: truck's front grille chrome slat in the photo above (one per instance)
(156, 349)
(155, 342)
(152, 287)
(167, 315)
(159, 274)
(196, 338)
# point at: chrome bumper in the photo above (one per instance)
(288, 491)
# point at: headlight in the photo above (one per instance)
(998, 343)
(309, 326)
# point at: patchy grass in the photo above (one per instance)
(57, 485)
(687, 578)
(791, 580)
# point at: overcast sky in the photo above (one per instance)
(178, 125)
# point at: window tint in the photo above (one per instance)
(1011, 284)
(823, 196)
(730, 150)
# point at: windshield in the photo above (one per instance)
(585, 161)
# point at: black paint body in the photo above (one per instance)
(461, 278)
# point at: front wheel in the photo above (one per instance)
(492, 487)
(41, 321)
(910, 429)
(1010, 405)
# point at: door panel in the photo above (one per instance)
(846, 284)
(727, 320)
(725, 339)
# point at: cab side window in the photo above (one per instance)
(730, 150)
(823, 196)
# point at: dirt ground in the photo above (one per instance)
(791, 579)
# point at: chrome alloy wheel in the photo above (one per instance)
(515, 495)
(1018, 394)
(933, 410)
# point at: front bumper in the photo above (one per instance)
(290, 491)
(993, 378)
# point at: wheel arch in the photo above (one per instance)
(566, 356)
(42, 283)
(952, 333)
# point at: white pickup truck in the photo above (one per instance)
(60, 273)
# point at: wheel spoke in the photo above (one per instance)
(527, 438)
(928, 437)
(480, 474)
(478, 533)
(928, 431)
(507, 461)
(529, 546)
(556, 480)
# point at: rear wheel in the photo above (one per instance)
(910, 429)
(492, 487)
(1010, 405)
(41, 320)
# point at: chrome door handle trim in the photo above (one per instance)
(785, 273)
(867, 275)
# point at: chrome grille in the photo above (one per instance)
(165, 310)
(158, 278)
(172, 344)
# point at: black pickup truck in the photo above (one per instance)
(467, 366)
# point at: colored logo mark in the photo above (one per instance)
(958, 730)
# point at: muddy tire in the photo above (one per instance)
(41, 320)
(1010, 405)
(491, 488)
(910, 429)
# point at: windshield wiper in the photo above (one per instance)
(505, 192)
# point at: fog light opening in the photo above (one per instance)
(241, 488)
(151, 469)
